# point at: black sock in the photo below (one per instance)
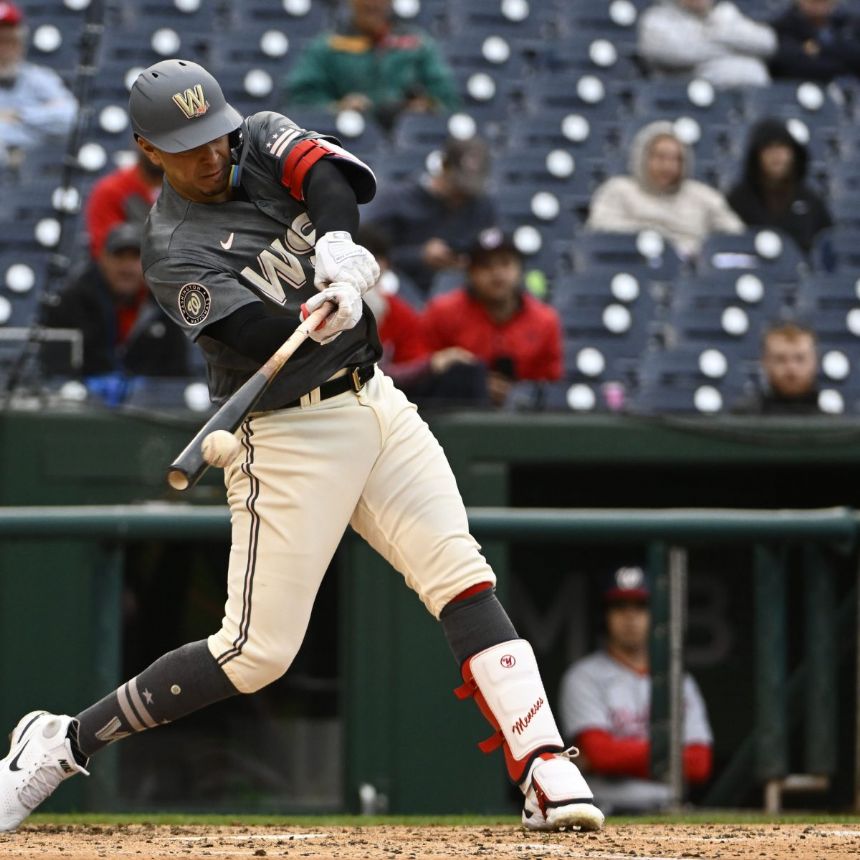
(176, 684)
(475, 624)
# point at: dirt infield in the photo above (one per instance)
(621, 842)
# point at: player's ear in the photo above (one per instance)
(149, 151)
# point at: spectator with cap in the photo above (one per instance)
(659, 194)
(773, 191)
(109, 303)
(703, 39)
(495, 318)
(372, 64)
(605, 701)
(450, 376)
(789, 370)
(35, 105)
(124, 195)
(818, 41)
(432, 220)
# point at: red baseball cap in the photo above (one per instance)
(10, 14)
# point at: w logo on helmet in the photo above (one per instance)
(192, 102)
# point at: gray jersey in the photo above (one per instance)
(599, 692)
(204, 261)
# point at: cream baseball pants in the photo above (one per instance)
(363, 459)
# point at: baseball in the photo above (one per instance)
(220, 448)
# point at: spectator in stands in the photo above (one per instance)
(449, 376)
(375, 65)
(35, 105)
(699, 38)
(123, 195)
(789, 365)
(817, 42)
(123, 330)
(605, 703)
(431, 221)
(495, 318)
(659, 195)
(773, 191)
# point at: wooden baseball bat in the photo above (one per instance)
(187, 469)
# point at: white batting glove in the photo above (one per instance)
(340, 260)
(348, 312)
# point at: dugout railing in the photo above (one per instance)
(398, 732)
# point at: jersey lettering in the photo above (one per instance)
(301, 234)
(276, 262)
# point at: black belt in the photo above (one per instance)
(354, 380)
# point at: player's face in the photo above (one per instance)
(665, 163)
(627, 626)
(497, 278)
(791, 364)
(201, 175)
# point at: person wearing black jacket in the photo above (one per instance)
(817, 42)
(773, 191)
(123, 329)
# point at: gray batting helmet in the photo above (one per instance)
(177, 105)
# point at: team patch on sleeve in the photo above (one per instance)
(194, 303)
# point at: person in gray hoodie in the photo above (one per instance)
(703, 39)
(659, 195)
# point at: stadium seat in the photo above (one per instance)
(493, 55)
(574, 293)
(526, 23)
(733, 329)
(759, 297)
(694, 98)
(689, 378)
(645, 252)
(591, 142)
(535, 170)
(594, 96)
(300, 18)
(589, 52)
(768, 251)
(836, 249)
(557, 396)
(260, 44)
(422, 132)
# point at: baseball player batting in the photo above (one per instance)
(252, 231)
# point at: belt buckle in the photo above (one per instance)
(357, 383)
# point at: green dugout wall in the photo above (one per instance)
(406, 735)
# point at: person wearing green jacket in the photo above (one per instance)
(374, 65)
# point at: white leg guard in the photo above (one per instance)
(507, 687)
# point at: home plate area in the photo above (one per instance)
(434, 842)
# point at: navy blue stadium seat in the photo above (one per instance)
(557, 396)
(555, 170)
(836, 249)
(301, 19)
(758, 296)
(526, 23)
(769, 252)
(689, 379)
(624, 252)
(594, 96)
(590, 52)
(592, 142)
(258, 44)
(420, 131)
(694, 98)
(494, 55)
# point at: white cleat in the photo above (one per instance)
(40, 758)
(558, 797)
